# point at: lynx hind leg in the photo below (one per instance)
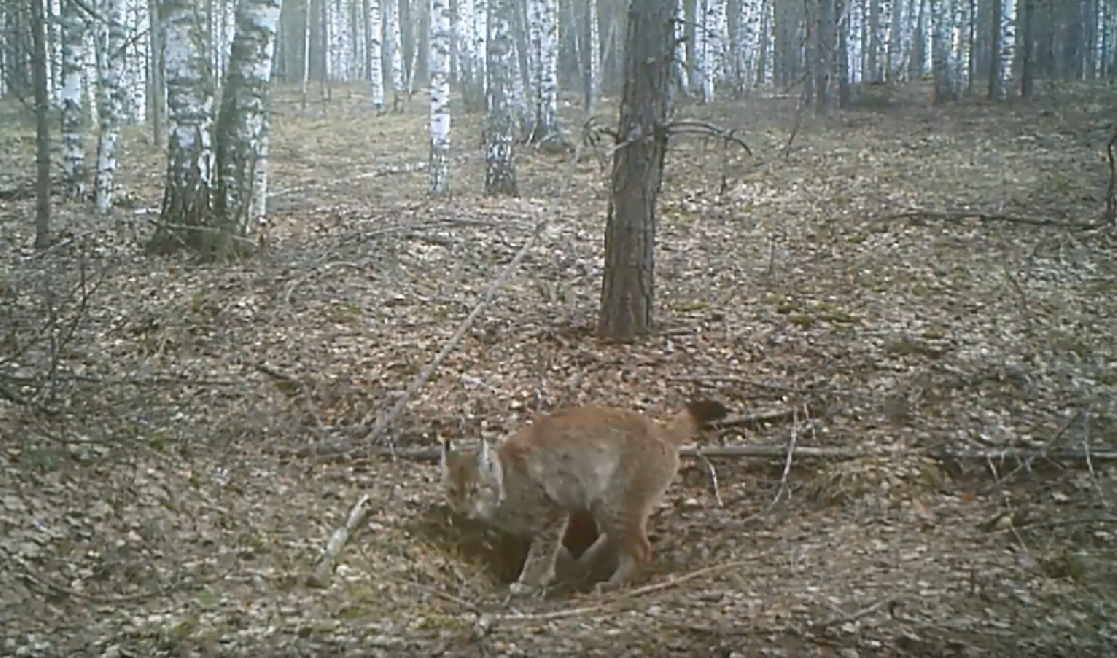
(630, 537)
(600, 556)
(539, 567)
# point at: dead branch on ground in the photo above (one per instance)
(324, 570)
(694, 127)
(981, 216)
(329, 453)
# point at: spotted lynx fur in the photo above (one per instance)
(614, 463)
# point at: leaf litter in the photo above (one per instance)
(874, 292)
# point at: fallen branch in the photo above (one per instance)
(739, 451)
(692, 127)
(324, 570)
(981, 216)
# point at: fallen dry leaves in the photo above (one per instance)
(871, 291)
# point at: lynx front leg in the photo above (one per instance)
(539, 568)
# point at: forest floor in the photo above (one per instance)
(902, 306)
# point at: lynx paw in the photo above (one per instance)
(521, 589)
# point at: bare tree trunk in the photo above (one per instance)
(500, 169)
(628, 288)
(157, 88)
(42, 124)
(824, 67)
(1027, 55)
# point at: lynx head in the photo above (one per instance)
(472, 480)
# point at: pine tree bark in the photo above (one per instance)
(628, 288)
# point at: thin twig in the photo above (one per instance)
(1090, 464)
(981, 216)
(324, 570)
(783, 486)
(620, 596)
(713, 478)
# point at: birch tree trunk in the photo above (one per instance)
(111, 42)
(704, 52)
(940, 50)
(682, 76)
(895, 40)
(480, 44)
(500, 129)
(375, 53)
(440, 36)
(213, 196)
(242, 123)
(190, 157)
(73, 120)
(394, 38)
(1007, 42)
(546, 129)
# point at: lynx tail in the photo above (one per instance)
(696, 416)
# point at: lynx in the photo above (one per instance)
(615, 464)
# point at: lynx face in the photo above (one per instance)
(473, 482)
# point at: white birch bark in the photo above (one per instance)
(960, 43)
(534, 16)
(500, 169)
(340, 49)
(941, 50)
(480, 43)
(111, 48)
(242, 123)
(190, 156)
(135, 56)
(705, 51)
(1008, 43)
(308, 17)
(376, 54)
(464, 41)
(74, 28)
(522, 108)
(394, 41)
(593, 55)
(681, 68)
(54, 45)
(546, 115)
(440, 37)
